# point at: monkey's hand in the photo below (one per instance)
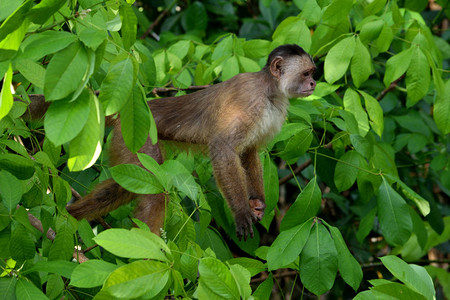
(245, 219)
(257, 207)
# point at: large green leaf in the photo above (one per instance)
(21, 245)
(136, 179)
(230, 68)
(91, 273)
(349, 268)
(86, 147)
(413, 276)
(288, 245)
(305, 206)
(135, 243)
(117, 86)
(318, 261)
(63, 246)
(92, 31)
(346, 170)
(375, 113)
(338, 59)
(65, 119)
(352, 103)
(216, 280)
(292, 30)
(32, 71)
(271, 186)
(40, 44)
(393, 214)
(418, 77)
(397, 65)
(195, 17)
(15, 20)
(65, 72)
(442, 109)
(138, 278)
(6, 98)
(129, 25)
(361, 64)
(41, 12)
(26, 290)
(135, 120)
(297, 145)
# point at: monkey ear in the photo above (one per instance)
(275, 66)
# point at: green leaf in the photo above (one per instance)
(352, 103)
(10, 196)
(195, 17)
(41, 12)
(397, 65)
(150, 164)
(346, 170)
(32, 71)
(393, 214)
(366, 225)
(60, 267)
(297, 145)
(394, 290)
(25, 290)
(338, 59)
(129, 25)
(92, 31)
(413, 276)
(136, 179)
(6, 98)
(271, 186)
(63, 245)
(65, 72)
(21, 246)
(138, 278)
(242, 278)
(256, 48)
(247, 64)
(65, 119)
(418, 77)
(136, 243)
(375, 113)
(21, 167)
(305, 206)
(318, 261)
(288, 245)
(349, 268)
(264, 290)
(10, 45)
(182, 179)
(230, 68)
(8, 286)
(38, 45)
(442, 109)
(135, 120)
(361, 65)
(223, 48)
(292, 30)
(15, 20)
(254, 266)
(216, 280)
(91, 273)
(117, 86)
(385, 38)
(86, 147)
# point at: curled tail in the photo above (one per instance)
(106, 197)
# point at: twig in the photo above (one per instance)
(51, 234)
(389, 88)
(295, 172)
(158, 19)
(75, 193)
(155, 91)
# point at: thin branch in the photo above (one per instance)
(295, 172)
(158, 19)
(392, 86)
(51, 234)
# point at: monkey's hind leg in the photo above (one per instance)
(106, 197)
(151, 209)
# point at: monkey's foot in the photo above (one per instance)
(257, 207)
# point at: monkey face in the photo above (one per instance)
(296, 78)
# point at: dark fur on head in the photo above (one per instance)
(285, 51)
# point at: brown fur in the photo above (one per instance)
(233, 119)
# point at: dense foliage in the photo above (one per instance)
(357, 181)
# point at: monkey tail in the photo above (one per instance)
(106, 197)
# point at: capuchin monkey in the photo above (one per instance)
(233, 119)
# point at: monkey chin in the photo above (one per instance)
(305, 93)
